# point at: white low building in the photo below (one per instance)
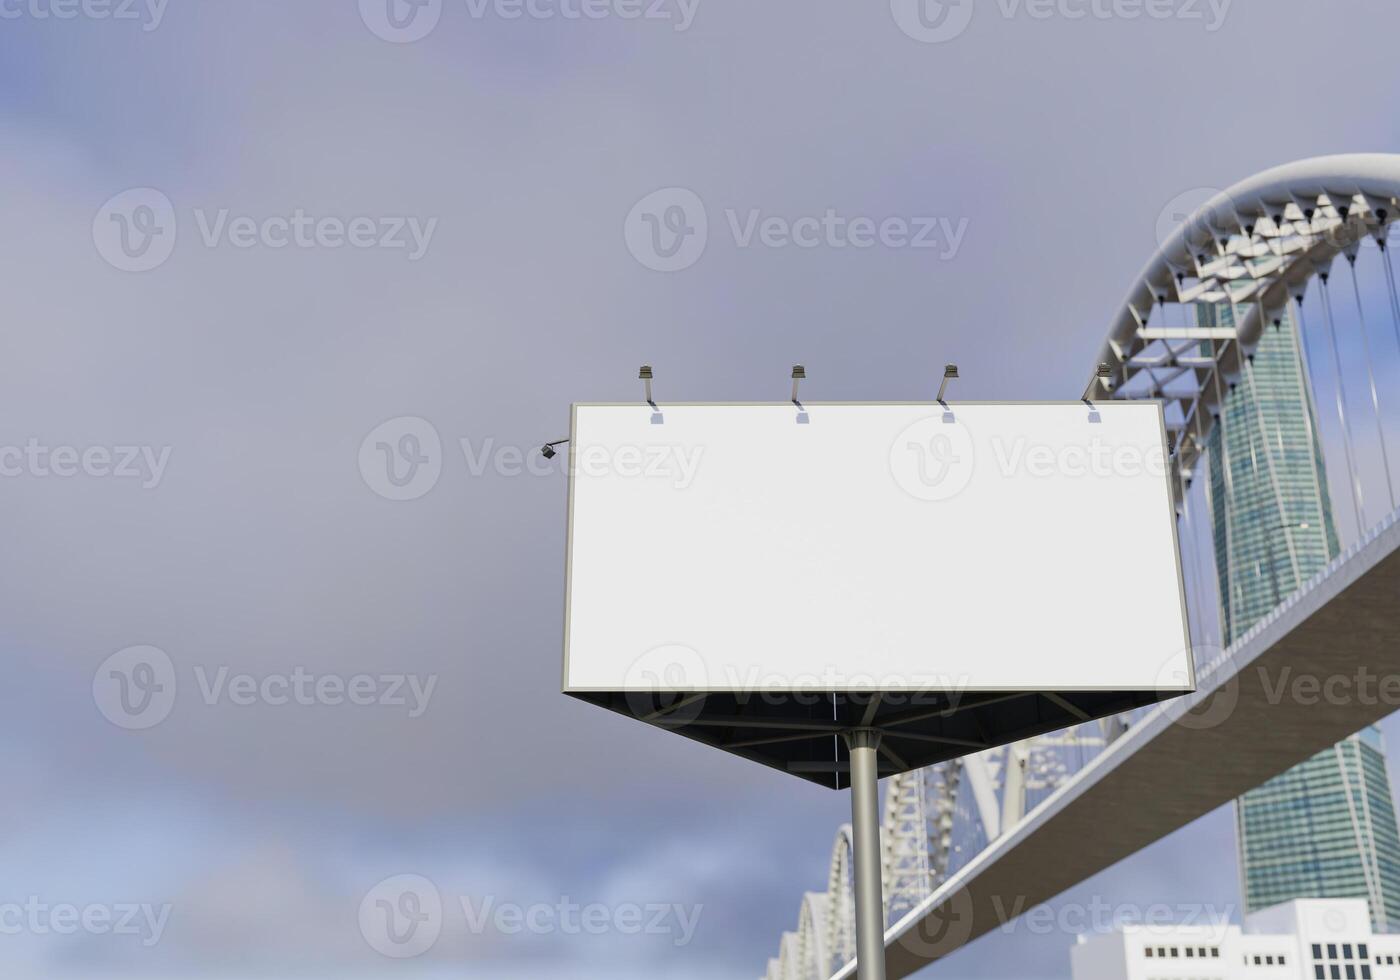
(1308, 939)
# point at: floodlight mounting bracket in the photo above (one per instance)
(950, 371)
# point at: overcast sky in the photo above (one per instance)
(244, 242)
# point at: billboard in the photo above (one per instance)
(745, 573)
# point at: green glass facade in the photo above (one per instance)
(1276, 483)
(1327, 827)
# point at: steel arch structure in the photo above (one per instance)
(1255, 248)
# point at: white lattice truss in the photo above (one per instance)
(1255, 248)
(918, 841)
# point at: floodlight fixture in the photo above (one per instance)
(1102, 376)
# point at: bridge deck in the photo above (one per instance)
(1189, 756)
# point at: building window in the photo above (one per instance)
(1351, 972)
(1282, 961)
(1215, 952)
(1190, 953)
(1258, 960)
(1361, 952)
(1346, 951)
(1319, 972)
(1317, 951)
(1365, 971)
(1336, 972)
(1331, 951)
(1149, 952)
(1201, 952)
(1175, 952)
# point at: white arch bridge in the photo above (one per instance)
(964, 841)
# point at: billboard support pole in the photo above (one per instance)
(864, 746)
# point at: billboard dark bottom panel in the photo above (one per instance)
(800, 733)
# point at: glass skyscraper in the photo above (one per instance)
(1327, 827)
(1272, 515)
(1324, 829)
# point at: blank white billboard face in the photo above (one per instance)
(873, 547)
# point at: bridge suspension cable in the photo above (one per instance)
(1371, 375)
